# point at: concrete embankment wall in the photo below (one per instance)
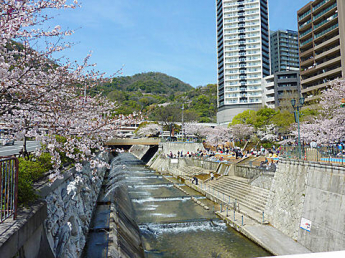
(59, 226)
(313, 191)
(175, 147)
(139, 151)
(256, 177)
(70, 203)
(125, 233)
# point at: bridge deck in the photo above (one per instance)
(124, 142)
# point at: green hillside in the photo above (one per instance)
(156, 93)
(151, 82)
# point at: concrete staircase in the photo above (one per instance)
(251, 199)
(192, 171)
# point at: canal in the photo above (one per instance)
(172, 224)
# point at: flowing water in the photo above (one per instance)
(171, 223)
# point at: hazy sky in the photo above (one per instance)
(176, 37)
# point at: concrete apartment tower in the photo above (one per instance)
(243, 55)
(284, 51)
(321, 29)
(284, 81)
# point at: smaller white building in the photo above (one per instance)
(268, 91)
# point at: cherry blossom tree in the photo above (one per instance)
(267, 133)
(197, 130)
(44, 98)
(328, 127)
(242, 131)
(150, 130)
(218, 135)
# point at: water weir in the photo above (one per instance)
(171, 223)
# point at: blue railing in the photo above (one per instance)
(8, 187)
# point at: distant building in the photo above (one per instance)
(268, 91)
(280, 86)
(243, 55)
(321, 29)
(284, 50)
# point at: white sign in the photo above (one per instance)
(174, 161)
(305, 224)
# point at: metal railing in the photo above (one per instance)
(324, 154)
(8, 187)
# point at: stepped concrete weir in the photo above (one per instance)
(176, 221)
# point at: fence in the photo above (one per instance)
(326, 154)
(8, 187)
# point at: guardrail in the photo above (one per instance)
(324, 154)
(8, 187)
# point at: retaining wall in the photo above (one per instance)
(174, 147)
(57, 226)
(139, 151)
(313, 191)
(70, 203)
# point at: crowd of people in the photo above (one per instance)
(223, 154)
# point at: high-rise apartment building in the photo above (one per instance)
(243, 55)
(321, 28)
(284, 50)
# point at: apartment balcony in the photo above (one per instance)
(326, 32)
(322, 75)
(306, 43)
(317, 68)
(328, 63)
(321, 5)
(307, 62)
(305, 25)
(324, 24)
(326, 43)
(325, 13)
(326, 53)
(312, 98)
(269, 92)
(270, 99)
(309, 70)
(316, 87)
(304, 17)
(304, 35)
(306, 53)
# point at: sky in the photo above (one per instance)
(176, 37)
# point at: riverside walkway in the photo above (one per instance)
(245, 215)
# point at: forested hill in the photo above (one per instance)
(155, 94)
(151, 82)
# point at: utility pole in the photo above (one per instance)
(182, 124)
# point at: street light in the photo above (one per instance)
(297, 108)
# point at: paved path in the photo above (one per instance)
(274, 240)
(18, 145)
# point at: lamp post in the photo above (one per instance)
(297, 106)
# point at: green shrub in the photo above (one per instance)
(29, 172)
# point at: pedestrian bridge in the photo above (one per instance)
(130, 142)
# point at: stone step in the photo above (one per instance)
(247, 191)
(247, 187)
(247, 206)
(242, 200)
(244, 183)
(243, 189)
(251, 197)
(237, 195)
